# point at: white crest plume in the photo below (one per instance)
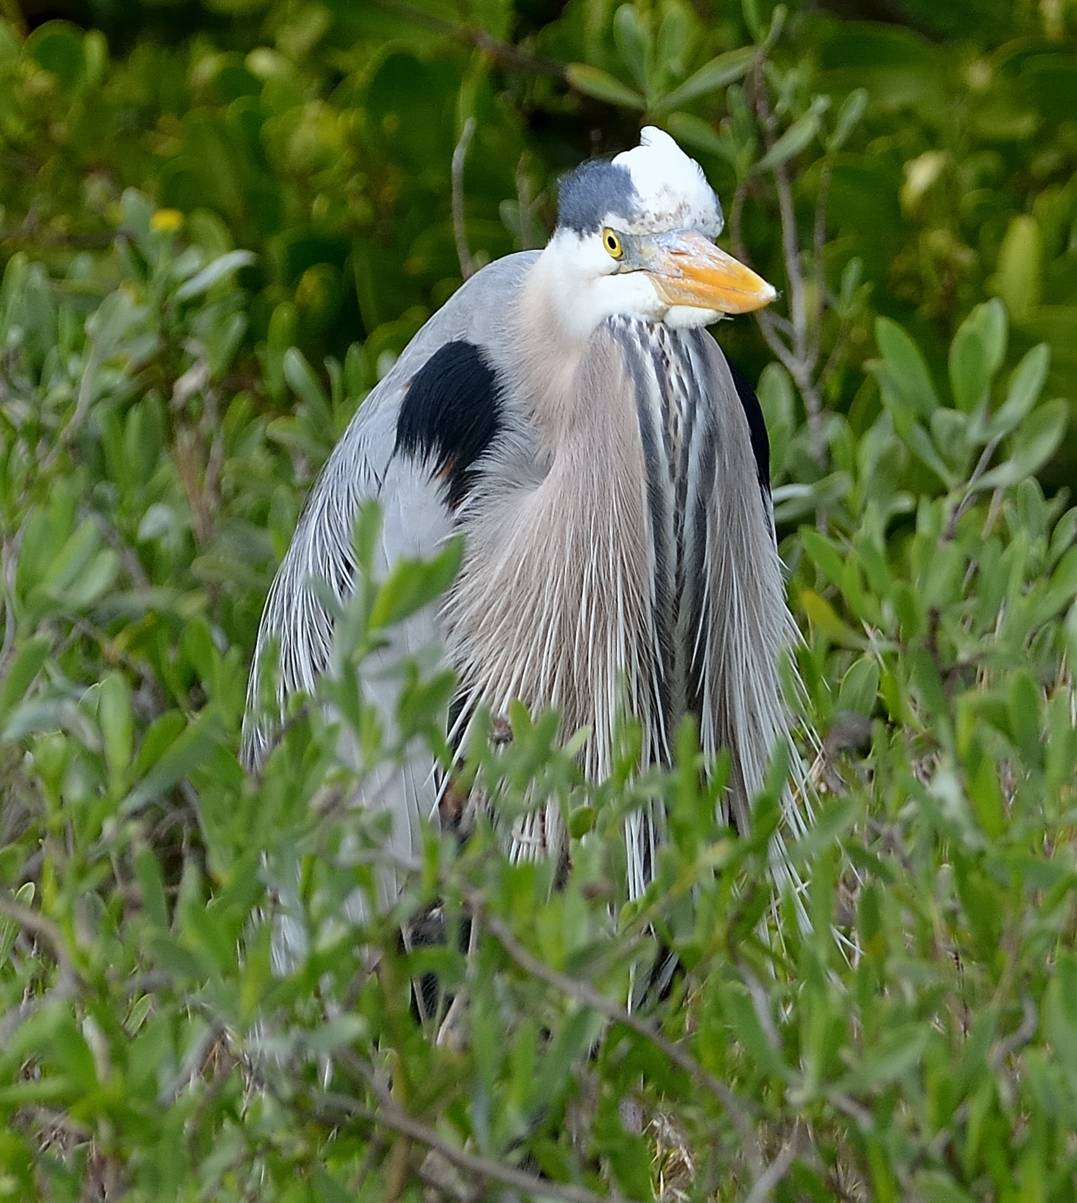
(673, 191)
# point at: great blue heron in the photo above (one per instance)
(569, 414)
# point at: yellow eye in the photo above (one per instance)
(612, 243)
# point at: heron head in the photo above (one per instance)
(635, 237)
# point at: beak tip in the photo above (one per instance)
(761, 296)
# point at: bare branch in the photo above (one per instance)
(798, 312)
(502, 52)
(48, 931)
(769, 323)
(818, 244)
(971, 488)
(800, 356)
(459, 227)
(389, 1115)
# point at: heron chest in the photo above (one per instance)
(583, 588)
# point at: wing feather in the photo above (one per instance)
(416, 520)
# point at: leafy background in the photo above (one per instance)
(218, 222)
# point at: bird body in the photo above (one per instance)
(567, 413)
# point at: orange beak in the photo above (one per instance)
(688, 269)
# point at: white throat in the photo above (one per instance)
(574, 283)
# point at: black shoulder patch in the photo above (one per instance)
(450, 414)
(588, 195)
(757, 428)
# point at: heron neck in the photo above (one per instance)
(550, 352)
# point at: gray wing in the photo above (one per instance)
(365, 464)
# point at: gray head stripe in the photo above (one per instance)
(593, 191)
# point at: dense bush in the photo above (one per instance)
(158, 427)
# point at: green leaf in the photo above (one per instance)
(190, 750)
(907, 371)
(777, 24)
(9, 928)
(94, 582)
(152, 886)
(117, 725)
(1026, 384)
(1034, 444)
(674, 37)
(27, 663)
(986, 797)
(339, 1032)
(823, 554)
(634, 44)
(1060, 1011)
(73, 559)
(860, 686)
(750, 8)
(581, 821)
(70, 1052)
(304, 383)
(969, 375)
(718, 73)
(740, 1012)
(411, 584)
(698, 133)
(897, 1052)
(799, 135)
(592, 81)
(221, 267)
(852, 109)
(824, 619)
(1024, 707)
(991, 321)
(1018, 277)
(923, 446)
(778, 402)
(950, 434)
(58, 47)
(934, 1186)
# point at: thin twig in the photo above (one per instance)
(9, 559)
(970, 491)
(798, 310)
(82, 406)
(777, 1169)
(389, 1115)
(530, 239)
(459, 227)
(503, 52)
(68, 980)
(1001, 1049)
(29, 235)
(449, 1025)
(762, 1006)
(586, 994)
(819, 242)
(769, 323)
(800, 355)
(802, 361)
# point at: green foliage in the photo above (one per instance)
(209, 248)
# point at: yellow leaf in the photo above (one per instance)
(824, 619)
